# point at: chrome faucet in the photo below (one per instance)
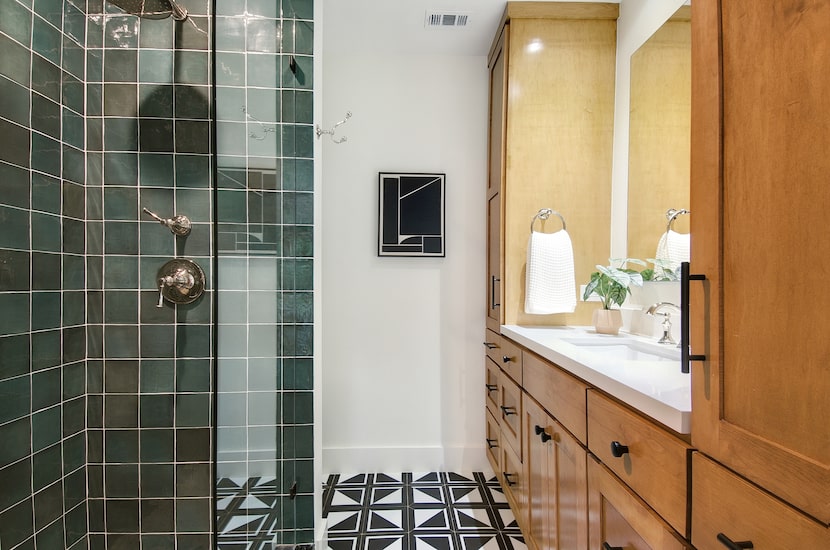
(656, 309)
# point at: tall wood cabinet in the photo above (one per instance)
(551, 128)
(759, 195)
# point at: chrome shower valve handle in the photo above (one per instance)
(180, 281)
(178, 224)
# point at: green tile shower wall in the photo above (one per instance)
(105, 399)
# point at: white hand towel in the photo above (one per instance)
(550, 283)
(674, 248)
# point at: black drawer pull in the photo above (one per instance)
(507, 478)
(491, 443)
(618, 449)
(540, 431)
(726, 541)
(491, 387)
(506, 359)
(606, 546)
(686, 355)
(491, 345)
(508, 410)
(493, 281)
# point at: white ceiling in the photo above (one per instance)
(397, 26)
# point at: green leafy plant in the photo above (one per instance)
(612, 282)
(662, 271)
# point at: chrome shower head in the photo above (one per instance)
(152, 9)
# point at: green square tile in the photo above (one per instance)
(121, 446)
(231, 206)
(298, 374)
(15, 271)
(46, 271)
(298, 442)
(120, 65)
(193, 515)
(15, 353)
(192, 67)
(46, 428)
(192, 102)
(263, 35)
(46, 310)
(120, 341)
(193, 341)
(156, 411)
(74, 23)
(121, 480)
(157, 340)
(73, 93)
(155, 240)
(14, 398)
(120, 238)
(74, 380)
(46, 467)
(49, 507)
(230, 33)
(46, 40)
(157, 375)
(120, 272)
(73, 129)
(156, 135)
(193, 480)
(74, 422)
(50, 10)
(16, 187)
(193, 410)
(17, 441)
(14, 140)
(74, 272)
(231, 140)
(197, 202)
(46, 232)
(74, 452)
(46, 76)
(301, 9)
(157, 446)
(74, 57)
(157, 480)
(46, 389)
(121, 168)
(192, 136)
(48, 157)
(263, 70)
(155, 66)
(120, 134)
(120, 99)
(14, 60)
(157, 34)
(231, 69)
(121, 203)
(16, 101)
(74, 489)
(15, 308)
(74, 164)
(156, 170)
(46, 193)
(193, 375)
(193, 444)
(74, 309)
(122, 517)
(120, 411)
(46, 349)
(74, 234)
(14, 228)
(157, 517)
(192, 171)
(156, 100)
(17, 523)
(73, 200)
(75, 522)
(16, 21)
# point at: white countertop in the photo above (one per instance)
(655, 388)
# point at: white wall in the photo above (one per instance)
(402, 368)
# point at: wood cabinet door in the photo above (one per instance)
(759, 196)
(557, 483)
(618, 518)
(495, 179)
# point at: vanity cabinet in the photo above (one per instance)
(551, 113)
(759, 193)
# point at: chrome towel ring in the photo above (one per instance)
(544, 214)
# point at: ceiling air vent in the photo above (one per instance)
(446, 19)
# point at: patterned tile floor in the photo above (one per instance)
(412, 511)
(248, 515)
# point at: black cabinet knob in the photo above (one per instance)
(540, 431)
(726, 541)
(506, 359)
(618, 449)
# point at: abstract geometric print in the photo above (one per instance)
(412, 511)
(411, 214)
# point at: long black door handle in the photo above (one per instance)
(685, 353)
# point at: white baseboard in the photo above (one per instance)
(339, 460)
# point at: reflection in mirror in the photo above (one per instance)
(659, 134)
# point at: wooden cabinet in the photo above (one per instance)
(727, 508)
(759, 194)
(552, 67)
(620, 519)
(557, 485)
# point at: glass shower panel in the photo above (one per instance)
(264, 272)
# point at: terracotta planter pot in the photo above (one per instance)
(607, 321)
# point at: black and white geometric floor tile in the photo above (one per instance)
(247, 513)
(414, 511)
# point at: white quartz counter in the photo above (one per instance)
(652, 385)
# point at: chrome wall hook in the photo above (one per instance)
(178, 224)
(319, 131)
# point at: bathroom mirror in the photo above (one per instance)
(659, 134)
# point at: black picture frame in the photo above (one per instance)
(411, 214)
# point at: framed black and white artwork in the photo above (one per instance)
(411, 219)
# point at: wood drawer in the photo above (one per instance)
(506, 354)
(492, 443)
(561, 394)
(491, 386)
(510, 413)
(511, 477)
(655, 463)
(725, 504)
(620, 519)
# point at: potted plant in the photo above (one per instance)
(611, 284)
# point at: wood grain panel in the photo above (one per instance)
(559, 136)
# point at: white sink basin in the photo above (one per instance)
(626, 350)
